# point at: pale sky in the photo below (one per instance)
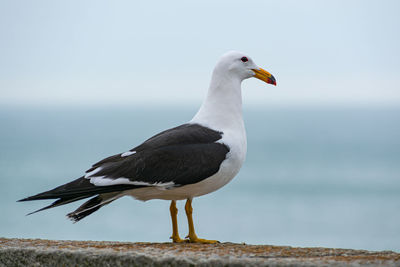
(134, 53)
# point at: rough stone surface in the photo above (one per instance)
(37, 252)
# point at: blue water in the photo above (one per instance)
(313, 177)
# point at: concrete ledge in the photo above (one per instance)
(37, 252)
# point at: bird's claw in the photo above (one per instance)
(177, 239)
(195, 239)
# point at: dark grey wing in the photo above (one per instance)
(179, 164)
(183, 155)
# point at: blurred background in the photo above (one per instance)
(81, 80)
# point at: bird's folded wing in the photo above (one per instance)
(167, 166)
(179, 156)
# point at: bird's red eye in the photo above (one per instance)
(244, 59)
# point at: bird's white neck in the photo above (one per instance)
(222, 108)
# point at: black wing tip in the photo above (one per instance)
(37, 197)
(27, 199)
(33, 212)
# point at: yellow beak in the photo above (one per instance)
(264, 75)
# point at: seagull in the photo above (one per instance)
(184, 162)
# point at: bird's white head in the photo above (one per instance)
(238, 65)
(222, 108)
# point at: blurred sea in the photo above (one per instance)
(313, 177)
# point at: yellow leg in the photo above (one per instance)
(175, 235)
(192, 234)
